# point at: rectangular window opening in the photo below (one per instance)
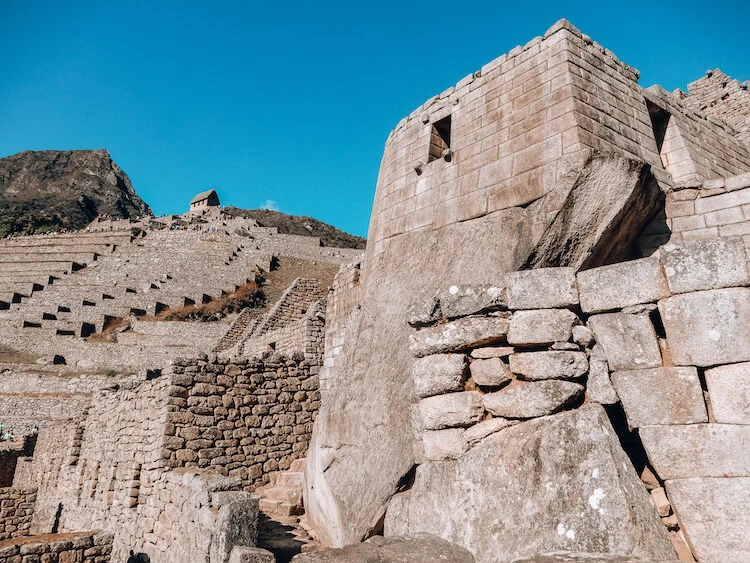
(659, 122)
(440, 138)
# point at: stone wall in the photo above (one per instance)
(666, 339)
(245, 419)
(16, 510)
(727, 99)
(81, 547)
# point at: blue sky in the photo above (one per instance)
(290, 103)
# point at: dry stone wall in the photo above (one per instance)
(498, 368)
(727, 99)
(16, 510)
(79, 547)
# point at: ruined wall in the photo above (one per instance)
(245, 419)
(727, 99)
(81, 547)
(16, 510)
(647, 339)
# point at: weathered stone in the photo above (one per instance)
(439, 373)
(599, 386)
(458, 335)
(483, 429)
(622, 285)
(584, 489)
(713, 515)
(569, 346)
(244, 554)
(491, 352)
(545, 326)
(416, 548)
(543, 288)
(708, 328)
(237, 524)
(698, 450)
(661, 396)
(554, 364)
(581, 557)
(444, 444)
(705, 264)
(628, 341)
(453, 409)
(582, 335)
(490, 373)
(538, 398)
(464, 300)
(424, 312)
(729, 391)
(609, 203)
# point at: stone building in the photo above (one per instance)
(203, 201)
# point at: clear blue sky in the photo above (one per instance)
(291, 102)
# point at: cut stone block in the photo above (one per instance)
(582, 335)
(729, 391)
(628, 341)
(544, 326)
(464, 300)
(530, 400)
(492, 352)
(424, 312)
(543, 288)
(698, 450)
(713, 515)
(622, 285)
(708, 328)
(437, 374)
(659, 498)
(705, 264)
(453, 409)
(661, 396)
(244, 554)
(458, 335)
(555, 483)
(554, 364)
(480, 431)
(599, 387)
(490, 373)
(444, 444)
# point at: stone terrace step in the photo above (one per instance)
(81, 258)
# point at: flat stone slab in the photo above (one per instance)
(581, 557)
(729, 391)
(465, 300)
(416, 548)
(553, 364)
(705, 264)
(483, 429)
(661, 396)
(622, 285)
(451, 410)
(698, 450)
(713, 514)
(542, 288)
(492, 352)
(560, 482)
(628, 341)
(444, 444)
(538, 398)
(437, 374)
(458, 335)
(708, 328)
(542, 326)
(244, 554)
(599, 387)
(491, 372)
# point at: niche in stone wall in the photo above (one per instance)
(440, 138)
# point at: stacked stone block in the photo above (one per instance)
(16, 511)
(80, 547)
(242, 418)
(727, 99)
(666, 337)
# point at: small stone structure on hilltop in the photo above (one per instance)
(542, 355)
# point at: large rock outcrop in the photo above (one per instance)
(43, 191)
(560, 482)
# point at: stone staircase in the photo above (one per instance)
(283, 530)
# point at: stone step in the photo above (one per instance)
(278, 507)
(284, 493)
(291, 479)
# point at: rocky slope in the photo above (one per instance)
(300, 225)
(42, 191)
